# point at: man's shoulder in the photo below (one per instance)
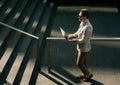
(89, 25)
(88, 28)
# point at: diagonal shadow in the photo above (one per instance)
(94, 82)
(57, 76)
(66, 74)
(52, 79)
(72, 78)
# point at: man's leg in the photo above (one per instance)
(81, 62)
(85, 62)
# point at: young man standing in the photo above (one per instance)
(83, 35)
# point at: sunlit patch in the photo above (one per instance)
(8, 10)
(5, 57)
(43, 28)
(0, 4)
(26, 19)
(1, 42)
(35, 23)
(56, 33)
(94, 8)
(44, 1)
(17, 15)
(51, 4)
(112, 44)
(103, 9)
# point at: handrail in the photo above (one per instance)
(20, 31)
(93, 38)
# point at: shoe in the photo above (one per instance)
(80, 77)
(88, 77)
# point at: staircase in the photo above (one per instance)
(19, 62)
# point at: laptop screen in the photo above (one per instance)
(62, 31)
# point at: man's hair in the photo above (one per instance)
(84, 12)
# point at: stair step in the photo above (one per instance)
(42, 33)
(19, 60)
(7, 8)
(2, 3)
(30, 66)
(4, 31)
(15, 38)
(12, 18)
(24, 46)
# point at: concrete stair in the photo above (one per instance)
(19, 62)
(21, 65)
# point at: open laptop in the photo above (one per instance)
(64, 35)
(63, 32)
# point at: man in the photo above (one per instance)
(83, 36)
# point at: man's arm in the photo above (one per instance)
(85, 35)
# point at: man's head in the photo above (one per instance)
(83, 15)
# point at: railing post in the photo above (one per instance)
(38, 49)
(48, 52)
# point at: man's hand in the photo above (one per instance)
(70, 36)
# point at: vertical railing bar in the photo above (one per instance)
(38, 48)
(48, 54)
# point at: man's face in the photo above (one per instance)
(80, 16)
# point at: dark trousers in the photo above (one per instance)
(82, 62)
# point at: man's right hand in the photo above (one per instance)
(71, 36)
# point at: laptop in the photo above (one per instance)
(64, 35)
(63, 32)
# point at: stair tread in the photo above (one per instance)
(9, 5)
(15, 40)
(20, 56)
(29, 69)
(2, 3)
(16, 14)
(36, 17)
(17, 35)
(15, 48)
(42, 33)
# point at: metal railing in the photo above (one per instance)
(25, 33)
(63, 39)
(92, 39)
(20, 31)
